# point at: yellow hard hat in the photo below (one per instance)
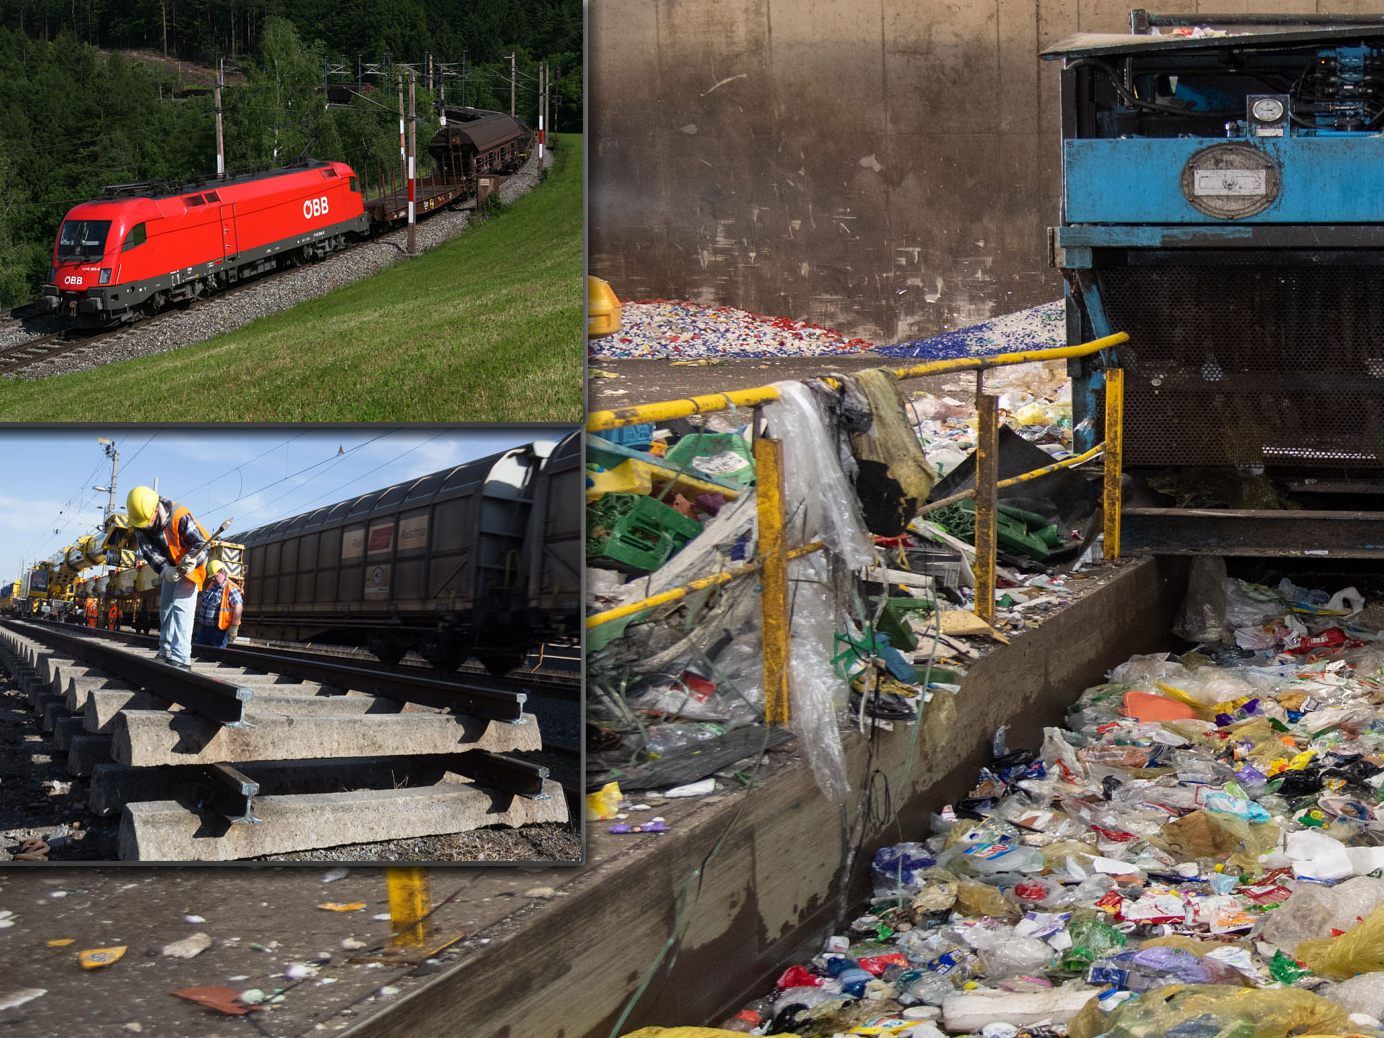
(141, 504)
(214, 567)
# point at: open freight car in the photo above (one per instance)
(145, 246)
(478, 560)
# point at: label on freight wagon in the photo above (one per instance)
(1230, 182)
(377, 582)
(352, 544)
(381, 538)
(413, 532)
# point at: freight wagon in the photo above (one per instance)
(480, 560)
(475, 142)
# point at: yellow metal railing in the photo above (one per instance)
(772, 563)
(670, 409)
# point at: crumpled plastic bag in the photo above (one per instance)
(1202, 618)
(1207, 834)
(1358, 950)
(1215, 1008)
(821, 506)
(977, 899)
(1249, 605)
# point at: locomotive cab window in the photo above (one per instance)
(355, 184)
(83, 239)
(137, 236)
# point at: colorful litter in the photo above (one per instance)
(664, 329)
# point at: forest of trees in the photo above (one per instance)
(75, 115)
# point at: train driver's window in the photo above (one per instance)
(135, 237)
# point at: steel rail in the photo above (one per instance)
(460, 697)
(212, 698)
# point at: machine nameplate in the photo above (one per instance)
(1230, 182)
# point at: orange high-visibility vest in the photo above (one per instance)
(177, 549)
(90, 610)
(224, 614)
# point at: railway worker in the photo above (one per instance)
(90, 609)
(171, 541)
(219, 609)
(113, 616)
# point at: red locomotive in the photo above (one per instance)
(144, 246)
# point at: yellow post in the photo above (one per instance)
(987, 501)
(409, 904)
(773, 603)
(1114, 458)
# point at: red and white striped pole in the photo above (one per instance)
(412, 155)
(542, 103)
(403, 156)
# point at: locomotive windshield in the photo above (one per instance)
(83, 239)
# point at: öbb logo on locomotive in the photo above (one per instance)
(315, 207)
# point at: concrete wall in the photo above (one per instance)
(887, 167)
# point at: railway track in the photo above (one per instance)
(34, 352)
(16, 358)
(258, 752)
(554, 676)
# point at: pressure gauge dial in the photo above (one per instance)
(1267, 110)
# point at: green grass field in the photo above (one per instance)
(486, 328)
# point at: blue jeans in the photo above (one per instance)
(213, 636)
(177, 605)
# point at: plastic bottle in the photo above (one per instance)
(927, 988)
(853, 981)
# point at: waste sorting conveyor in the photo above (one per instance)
(1223, 204)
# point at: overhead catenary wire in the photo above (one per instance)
(218, 509)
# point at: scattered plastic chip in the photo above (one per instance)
(96, 958)
(340, 906)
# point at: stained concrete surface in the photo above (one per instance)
(888, 168)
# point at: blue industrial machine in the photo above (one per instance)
(1223, 203)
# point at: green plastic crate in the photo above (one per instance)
(629, 531)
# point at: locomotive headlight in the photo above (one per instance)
(1267, 110)
(105, 278)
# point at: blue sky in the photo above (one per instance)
(252, 475)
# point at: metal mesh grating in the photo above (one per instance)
(1251, 365)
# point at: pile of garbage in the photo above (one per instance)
(1198, 853)
(673, 503)
(1041, 327)
(658, 329)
